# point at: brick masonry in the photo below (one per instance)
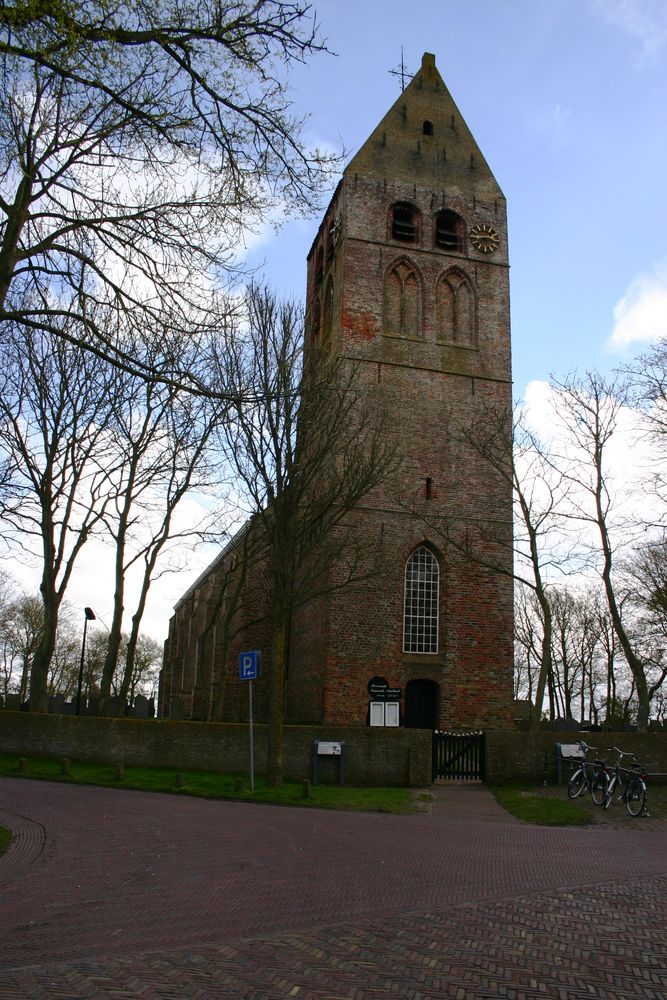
(432, 370)
(373, 756)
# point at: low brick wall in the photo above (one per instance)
(372, 756)
(515, 756)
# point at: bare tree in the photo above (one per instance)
(54, 411)
(162, 437)
(538, 548)
(21, 628)
(306, 453)
(590, 411)
(138, 143)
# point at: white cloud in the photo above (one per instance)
(643, 20)
(641, 315)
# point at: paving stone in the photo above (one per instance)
(120, 894)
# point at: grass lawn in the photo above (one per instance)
(531, 806)
(214, 785)
(545, 806)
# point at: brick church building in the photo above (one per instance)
(408, 279)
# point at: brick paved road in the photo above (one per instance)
(130, 895)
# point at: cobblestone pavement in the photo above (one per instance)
(120, 894)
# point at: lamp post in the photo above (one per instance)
(90, 617)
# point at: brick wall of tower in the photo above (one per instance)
(429, 390)
(431, 384)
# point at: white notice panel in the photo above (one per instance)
(391, 713)
(377, 713)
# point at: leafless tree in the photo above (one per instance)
(537, 549)
(162, 437)
(590, 411)
(306, 453)
(54, 412)
(21, 627)
(139, 142)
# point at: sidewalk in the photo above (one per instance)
(467, 801)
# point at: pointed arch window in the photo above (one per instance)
(404, 222)
(449, 230)
(315, 319)
(319, 265)
(327, 325)
(420, 616)
(402, 301)
(455, 304)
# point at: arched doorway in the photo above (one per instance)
(421, 705)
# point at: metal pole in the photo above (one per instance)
(89, 617)
(252, 749)
(83, 653)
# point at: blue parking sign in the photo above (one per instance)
(249, 665)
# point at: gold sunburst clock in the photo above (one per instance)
(484, 238)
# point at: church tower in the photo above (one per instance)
(408, 280)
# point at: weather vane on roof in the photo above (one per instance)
(402, 72)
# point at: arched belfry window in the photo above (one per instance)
(404, 222)
(402, 301)
(319, 265)
(420, 618)
(327, 326)
(455, 305)
(449, 230)
(315, 319)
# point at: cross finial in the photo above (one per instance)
(402, 72)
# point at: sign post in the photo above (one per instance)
(250, 668)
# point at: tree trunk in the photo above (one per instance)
(546, 673)
(39, 697)
(277, 699)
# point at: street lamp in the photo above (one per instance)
(90, 617)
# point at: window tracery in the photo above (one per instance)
(420, 617)
(402, 301)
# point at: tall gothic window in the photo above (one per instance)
(402, 301)
(327, 326)
(455, 303)
(420, 619)
(315, 320)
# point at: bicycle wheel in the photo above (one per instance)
(577, 783)
(599, 787)
(635, 795)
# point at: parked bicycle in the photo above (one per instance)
(591, 776)
(631, 781)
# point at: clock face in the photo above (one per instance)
(484, 238)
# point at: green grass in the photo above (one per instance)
(5, 837)
(214, 785)
(531, 807)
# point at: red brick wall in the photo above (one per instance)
(429, 390)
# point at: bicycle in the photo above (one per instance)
(633, 789)
(595, 782)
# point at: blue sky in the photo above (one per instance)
(567, 100)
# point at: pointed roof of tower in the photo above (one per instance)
(424, 139)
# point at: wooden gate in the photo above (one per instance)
(459, 755)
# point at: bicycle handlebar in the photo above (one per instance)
(624, 753)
